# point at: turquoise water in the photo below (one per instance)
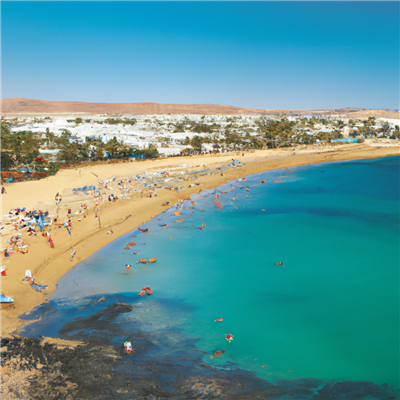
(330, 312)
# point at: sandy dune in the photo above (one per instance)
(30, 106)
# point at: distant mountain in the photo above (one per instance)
(29, 106)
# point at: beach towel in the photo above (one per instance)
(38, 287)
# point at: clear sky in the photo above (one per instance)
(287, 55)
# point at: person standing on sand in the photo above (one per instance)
(73, 254)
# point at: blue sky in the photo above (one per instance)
(287, 55)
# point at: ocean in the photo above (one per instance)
(329, 312)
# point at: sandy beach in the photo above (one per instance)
(88, 235)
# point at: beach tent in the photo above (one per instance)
(3, 270)
(346, 140)
(28, 274)
(5, 299)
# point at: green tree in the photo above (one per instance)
(112, 147)
(277, 132)
(6, 152)
(395, 133)
(150, 152)
(385, 129)
(197, 142)
(233, 138)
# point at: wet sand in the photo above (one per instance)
(49, 264)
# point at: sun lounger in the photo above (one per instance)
(38, 287)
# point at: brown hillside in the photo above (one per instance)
(29, 106)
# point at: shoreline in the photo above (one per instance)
(88, 237)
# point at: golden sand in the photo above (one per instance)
(49, 264)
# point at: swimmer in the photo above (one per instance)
(219, 205)
(219, 320)
(204, 224)
(128, 347)
(279, 263)
(217, 353)
(146, 290)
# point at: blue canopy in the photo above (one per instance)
(347, 140)
(6, 299)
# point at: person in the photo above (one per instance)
(146, 290)
(128, 347)
(73, 254)
(3, 190)
(280, 263)
(217, 353)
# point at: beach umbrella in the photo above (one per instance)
(229, 338)
(6, 299)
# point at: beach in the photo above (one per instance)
(63, 344)
(49, 264)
